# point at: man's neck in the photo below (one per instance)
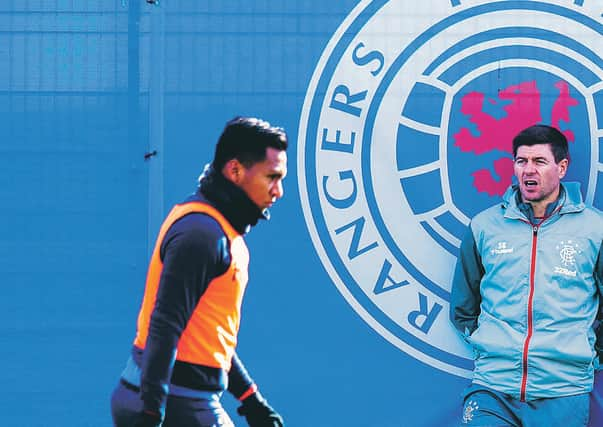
(540, 208)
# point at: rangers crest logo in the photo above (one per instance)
(406, 134)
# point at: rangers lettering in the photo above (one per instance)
(345, 202)
(428, 315)
(373, 55)
(358, 226)
(346, 105)
(385, 277)
(337, 145)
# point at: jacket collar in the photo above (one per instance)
(569, 200)
(230, 200)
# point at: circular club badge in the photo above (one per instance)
(406, 134)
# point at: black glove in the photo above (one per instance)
(148, 419)
(259, 413)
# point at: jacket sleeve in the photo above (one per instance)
(239, 380)
(465, 296)
(193, 253)
(598, 275)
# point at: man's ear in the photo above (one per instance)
(233, 171)
(563, 164)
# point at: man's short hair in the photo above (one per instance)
(246, 139)
(543, 134)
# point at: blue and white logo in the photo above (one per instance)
(567, 252)
(406, 134)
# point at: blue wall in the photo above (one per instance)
(86, 89)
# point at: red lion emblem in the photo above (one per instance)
(522, 110)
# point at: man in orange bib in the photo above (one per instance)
(183, 357)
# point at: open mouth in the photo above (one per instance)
(530, 183)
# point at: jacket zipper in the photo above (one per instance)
(526, 344)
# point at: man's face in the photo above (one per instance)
(263, 181)
(538, 174)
